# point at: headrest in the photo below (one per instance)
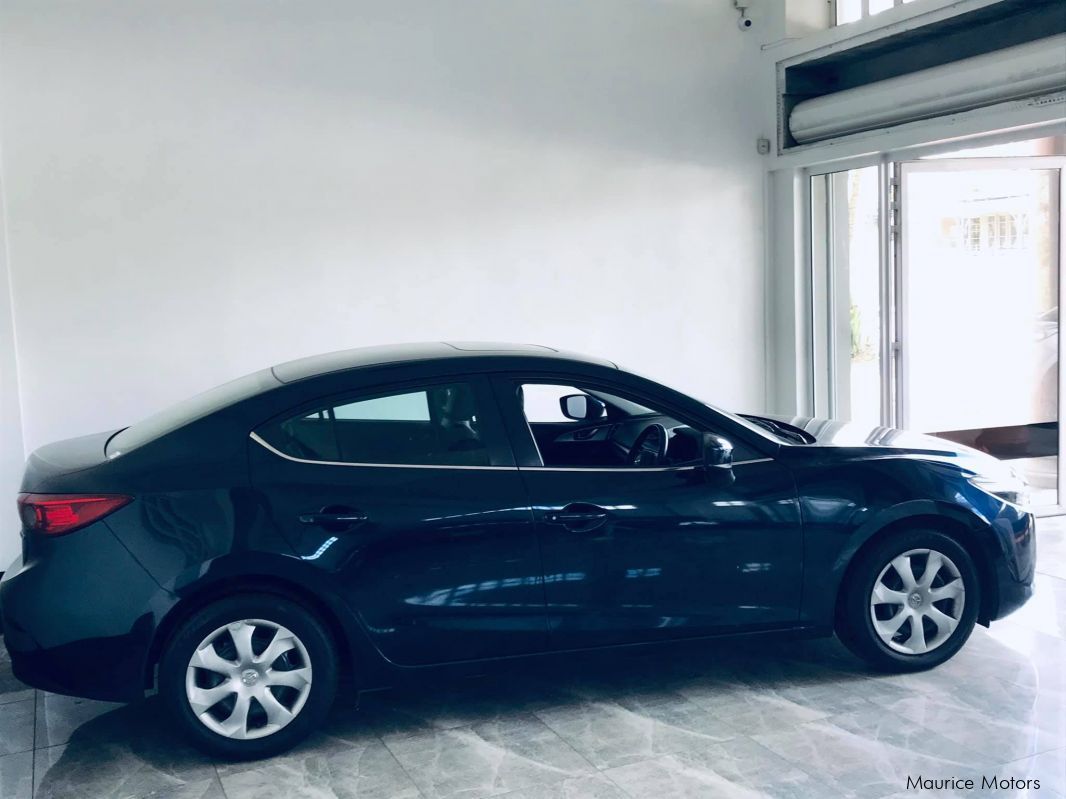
(454, 404)
(463, 408)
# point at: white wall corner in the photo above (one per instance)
(12, 453)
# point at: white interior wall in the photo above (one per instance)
(198, 189)
(11, 445)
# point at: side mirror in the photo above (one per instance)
(581, 407)
(717, 452)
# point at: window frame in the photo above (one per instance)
(864, 11)
(524, 445)
(491, 426)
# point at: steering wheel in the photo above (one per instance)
(650, 447)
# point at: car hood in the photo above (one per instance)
(877, 440)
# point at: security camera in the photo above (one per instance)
(744, 22)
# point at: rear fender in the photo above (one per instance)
(262, 572)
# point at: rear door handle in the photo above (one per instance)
(578, 517)
(335, 519)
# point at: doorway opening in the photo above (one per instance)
(936, 301)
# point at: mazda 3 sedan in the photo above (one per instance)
(382, 512)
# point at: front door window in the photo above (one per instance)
(590, 427)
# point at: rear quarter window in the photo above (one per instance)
(187, 411)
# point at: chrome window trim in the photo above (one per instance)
(612, 469)
(255, 437)
(682, 468)
(259, 440)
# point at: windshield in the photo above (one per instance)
(170, 419)
(763, 427)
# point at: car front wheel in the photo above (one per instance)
(909, 602)
(249, 676)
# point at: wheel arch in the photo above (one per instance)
(966, 532)
(350, 665)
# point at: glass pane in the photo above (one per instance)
(856, 295)
(981, 305)
(541, 402)
(412, 407)
(436, 426)
(170, 419)
(618, 440)
(877, 6)
(864, 289)
(848, 11)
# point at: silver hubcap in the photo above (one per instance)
(917, 601)
(248, 679)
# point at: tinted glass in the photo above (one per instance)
(540, 402)
(610, 441)
(435, 426)
(181, 414)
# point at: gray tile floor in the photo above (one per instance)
(785, 719)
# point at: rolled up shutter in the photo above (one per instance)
(1014, 73)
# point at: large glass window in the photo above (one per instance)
(852, 286)
(846, 11)
(935, 288)
(980, 308)
(438, 425)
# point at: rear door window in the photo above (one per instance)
(440, 425)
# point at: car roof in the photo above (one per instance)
(362, 357)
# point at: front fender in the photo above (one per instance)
(831, 553)
(911, 513)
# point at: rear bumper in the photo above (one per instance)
(77, 618)
(91, 669)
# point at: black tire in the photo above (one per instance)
(854, 620)
(182, 644)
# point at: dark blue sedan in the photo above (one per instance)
(385, 511)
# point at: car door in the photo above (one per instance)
(635, 554)
(408, 498)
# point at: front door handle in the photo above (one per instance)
(334, 518)
(578, 517)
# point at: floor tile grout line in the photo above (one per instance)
(33, 759)
(399, 763)
(977, 755)
(566, 743)
(616, 783)
(815, 777)
(1054, 748)
(218, 778)
(738, 734)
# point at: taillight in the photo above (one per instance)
(56, 514)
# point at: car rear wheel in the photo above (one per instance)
(909, 602)
(249, 676)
